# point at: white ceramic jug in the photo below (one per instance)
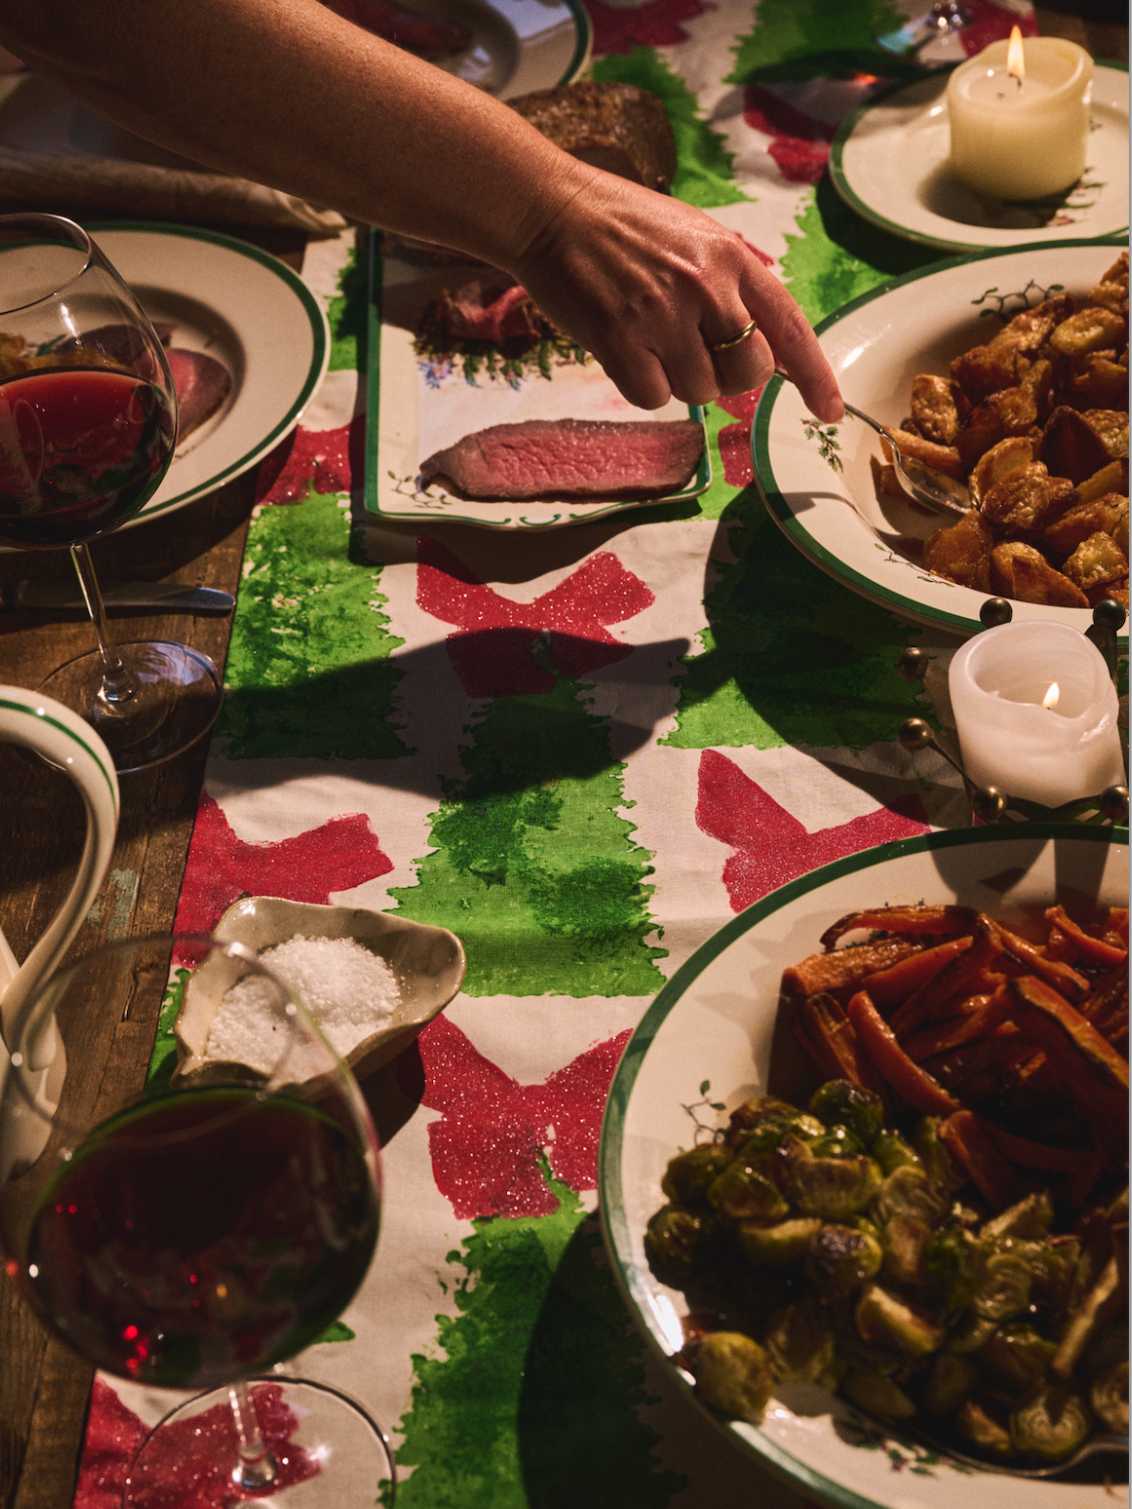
(61, 736)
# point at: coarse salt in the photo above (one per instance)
(347, 990)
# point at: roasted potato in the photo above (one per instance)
(1095, 562)
(1111, 425)
(935, 408)
(962, 552)
(941, 458)
(1111, 478)
(1108, 514)
(1025, 500)
(1019, 570)
(999, 462)
(1088, 330)
(1071, 445)
(1102, 383)
(987, 369)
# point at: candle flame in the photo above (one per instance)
(1052, 696)
(1015, 55)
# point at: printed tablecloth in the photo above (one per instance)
(582, 751)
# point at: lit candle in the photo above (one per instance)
(1020, 117)
(1036, 711)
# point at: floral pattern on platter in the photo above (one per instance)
(828, 442)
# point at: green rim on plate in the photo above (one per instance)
(320, 344)
(582, 42)
(610, 1191)
(45, 717)
(779, 508)
(869, 212)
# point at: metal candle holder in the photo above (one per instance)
(987, 804)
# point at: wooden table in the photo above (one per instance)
(43, 1388)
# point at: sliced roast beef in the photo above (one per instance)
(571, 458)
(202, 385)
(485, 308)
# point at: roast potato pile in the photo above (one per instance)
(1035, 421)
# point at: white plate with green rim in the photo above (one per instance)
(247, 309)
(516, 45)
(714, 1022)
(888, 162)
(420, 401)
(816, 479)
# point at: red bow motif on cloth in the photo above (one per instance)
(324, 460)
(340, 854)
(486, 1146)
(772, 847)
(505, 648)
(653, 24)
(194, 1465)
(799, 142)
(992, 23)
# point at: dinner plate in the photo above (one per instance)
(816, 479)
(517, 45)
(888, 161)
(419, 401)
(707, 1037)
(247, 309)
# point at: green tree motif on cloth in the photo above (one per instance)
(704, 173)
(309, 670)
(786, 31)
(346, 313)
(535, 1399)
(790, 656)
(533, 868)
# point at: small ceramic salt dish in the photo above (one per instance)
(427, 964)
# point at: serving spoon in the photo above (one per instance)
(1107, 1442)
(929, 488)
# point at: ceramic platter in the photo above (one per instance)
(816, 480)
(420, 401)
(247, 309)
(889, 163)
(517, 45)
(714, 1021)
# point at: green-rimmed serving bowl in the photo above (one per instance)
(816, 479)
(707, 1038)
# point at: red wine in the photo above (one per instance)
(81, 449)
(203, 1235)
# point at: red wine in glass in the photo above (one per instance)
(151, 1259)
(80, 451)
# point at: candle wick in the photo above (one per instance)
(1017, 79)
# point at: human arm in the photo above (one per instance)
(290, 94)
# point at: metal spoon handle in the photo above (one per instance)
(868, 419)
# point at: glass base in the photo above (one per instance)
(176, 697)
(325, 1452)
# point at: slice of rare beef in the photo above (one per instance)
(571, 458)
(202, 385)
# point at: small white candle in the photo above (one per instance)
(1036, 713)
(1021, 137)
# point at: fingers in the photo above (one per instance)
(741, 368)
(793, 342)
(636, 371)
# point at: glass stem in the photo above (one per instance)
(255, 1467)
(117, 683)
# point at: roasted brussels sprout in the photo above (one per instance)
(971, 1335)
(733, 1374)
(882, 1320)
(833, 1188)
(1030, 1217)
(949, 1265)
(1015, 1361)
(767, 1134)
(840, 1260)
(673, 1240)
(765, 1110)
(780, 1246)
(742, 1193)
(1106, 1367)
(891, 1151)
(907, 1191)
(1050, 1426)
(877, 1394)
(934, 1156)
(950, 1381)
(978, 1426)
(837, 1142)
(688, 1175)
(839, 1102)
(905, 1241)
(800, 1340)
(1001, 1281)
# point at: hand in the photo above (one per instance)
(649, 285)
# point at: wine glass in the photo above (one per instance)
(88, 423)
(198, 1230)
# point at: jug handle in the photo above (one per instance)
(64, 739)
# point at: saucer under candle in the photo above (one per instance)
(1021, 135)
(1036, 713)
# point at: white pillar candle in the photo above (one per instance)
(1036, 713)
(1021, 139)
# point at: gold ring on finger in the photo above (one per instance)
(736, 340)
